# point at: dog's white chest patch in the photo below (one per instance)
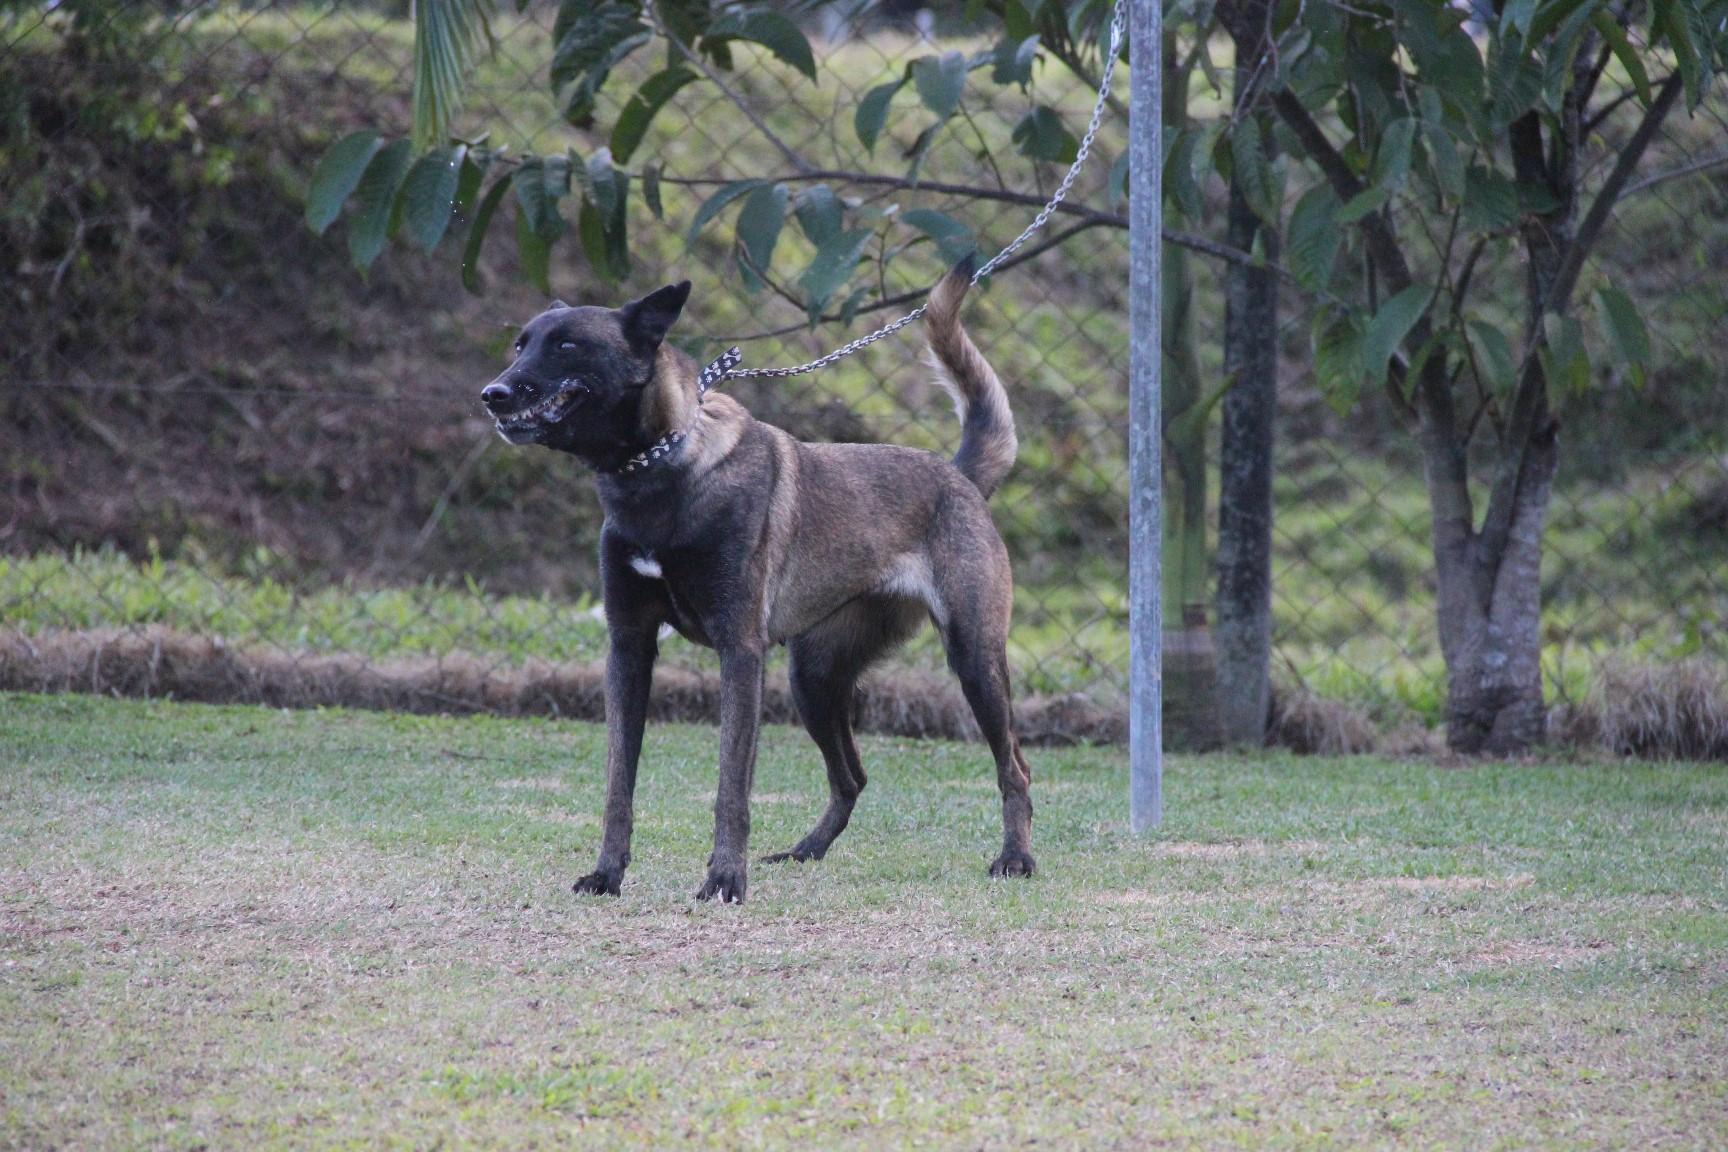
(646, 566)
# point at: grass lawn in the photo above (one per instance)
(232, 927)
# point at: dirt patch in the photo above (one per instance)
(1455, 883)
(1536, 954)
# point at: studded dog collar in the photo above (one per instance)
(717, 371)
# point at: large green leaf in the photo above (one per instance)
(1615, 37)
(533, 251)
(941, 81)
(334, 180)
(872, 113)
(535, 203)
(1251, 173)
(759, 225)
(1492, 356)
(477, 233)
(713, 206)
(1337, 337)
(643, 106)
(830, 268)
(1490, 200)
(1041, 135)
(1565, 359)
(819, 213)
(429, 195)
(773, 31)
(1393, 155)
(953, 239)
(1311, 247)
(1389, 327)
(1013, 59)
(370, 224)
(1628, 339)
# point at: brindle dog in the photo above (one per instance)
(740, 537)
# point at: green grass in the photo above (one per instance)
(235, 927)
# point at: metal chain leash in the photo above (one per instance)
(1118, 27)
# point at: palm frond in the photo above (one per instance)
(447, 34)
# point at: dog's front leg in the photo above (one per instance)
(629, 678)
(740, 724)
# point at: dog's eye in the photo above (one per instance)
(566, 345)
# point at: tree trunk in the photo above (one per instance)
(1244, 633)
(1493, 645)
(1243, 637)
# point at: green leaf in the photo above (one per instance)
(713, 206)
(1670, 22)
(773, 31)
(1314, 238)
(429, 195)
(1013, 60)
(1628, 339)
(1564, 357)
(759, 225)
(1041, 135)
(1615, 37)
(1493, 358)
(953, 239)
(1444, 160)
(1389, 327)
(1515, 84)
(603, 183)
(1250, 172)
(830, 268)
(533, 251)
(477, 233)
(333, 181)
(651, 190)
(1550, 14)
(1117, 182)
(1393, 154)
(872, 114)
(819, 213)
(592, 39)
(1517, 15)
(643, 106)
(941, 81)
(446, 35)
(1338, 357)
(535, 204)
(1490, 200)
(377, 192)
(468, 183)
(602, 225)
(1361, 204)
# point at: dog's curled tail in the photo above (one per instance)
(987, 440)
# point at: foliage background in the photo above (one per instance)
(213, 424)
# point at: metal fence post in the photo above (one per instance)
(1145, 434)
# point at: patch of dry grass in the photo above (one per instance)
(235, 927)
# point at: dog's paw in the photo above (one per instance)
(1013, 863)
(723, 884)
(599, 884)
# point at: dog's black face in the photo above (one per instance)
(576, 375)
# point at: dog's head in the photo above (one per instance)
(592, 381)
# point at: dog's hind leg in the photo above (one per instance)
(825, 666)
(976, 636)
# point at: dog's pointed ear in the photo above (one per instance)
(646, 321)
(556, 304)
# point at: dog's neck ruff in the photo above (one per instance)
(661, 450)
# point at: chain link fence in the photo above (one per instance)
(236, 469)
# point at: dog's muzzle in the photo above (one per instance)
(527, 423)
